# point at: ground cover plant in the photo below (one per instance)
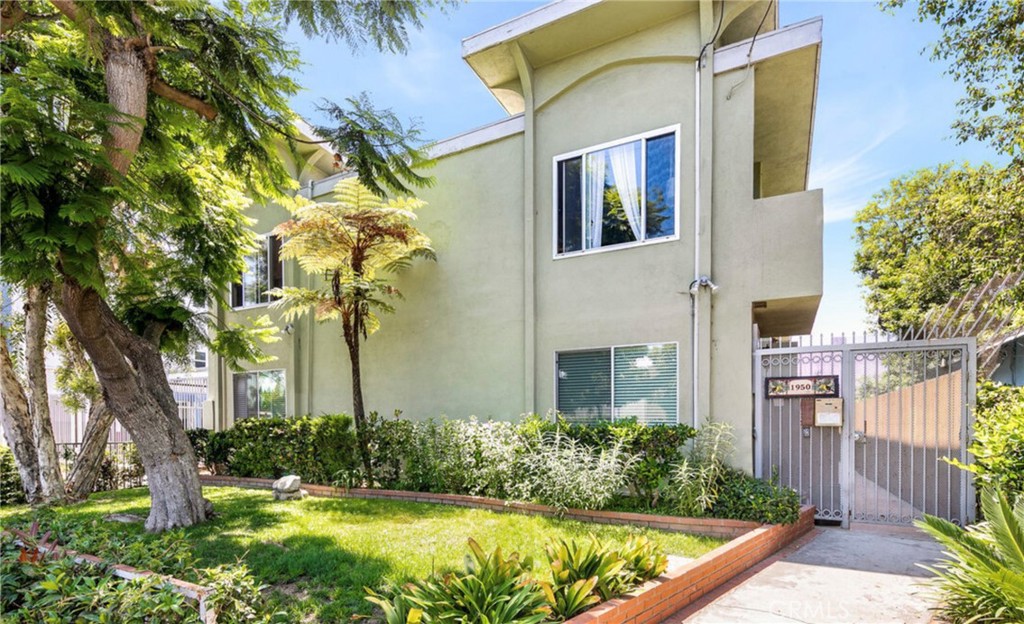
(317, 555)
(41, 582)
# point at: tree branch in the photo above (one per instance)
(186, 100)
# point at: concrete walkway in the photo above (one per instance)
(831, 575)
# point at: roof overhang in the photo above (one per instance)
(786, 65)
(786, 317)
(553, 32)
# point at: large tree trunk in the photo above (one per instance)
(129, 367)
(135, 388)
(352, 334)
(90, 457)
(51, 483)
(17, 424)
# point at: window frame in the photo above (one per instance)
(674, 130)
(611, 355)
(269, 236)
(284, 381)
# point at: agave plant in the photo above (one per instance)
(982, 578)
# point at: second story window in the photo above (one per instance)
(617, 194)
(263, 270)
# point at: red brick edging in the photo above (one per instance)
(679, 587)
(704, 526)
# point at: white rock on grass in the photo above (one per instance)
(296, 495)
(288, 483)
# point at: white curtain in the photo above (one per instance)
(623, 160)
(595, 164)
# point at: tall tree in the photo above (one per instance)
(934, 234)
(51, 482)
(983, 43)
(130, 132)
(79, 390)
(353, 243)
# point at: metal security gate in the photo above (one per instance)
(861, 430)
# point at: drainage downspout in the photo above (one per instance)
(695, 285)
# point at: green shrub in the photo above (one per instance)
(982, 578)
(743, 497)
(657, 448)
(998, 445)
(315, 448)
(12, 492)
(200, 439)
(696, 479)
(566, 473)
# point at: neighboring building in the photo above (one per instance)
(1010, 367)
(571, 234)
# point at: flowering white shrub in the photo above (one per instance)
(565, 473)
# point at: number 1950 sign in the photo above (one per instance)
(822, 386)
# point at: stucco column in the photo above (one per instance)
(529, 235)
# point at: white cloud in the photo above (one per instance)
(854, 166)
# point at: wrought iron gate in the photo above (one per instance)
(906, 405)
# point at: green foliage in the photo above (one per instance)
(982, 578)
(336, 547)
(200, 441)
(743, 497)
(998, 440)
(934, 234)
(644, 559)
(315, 448)
(11, 489)
(573, 561)
(493, 590)
(566, 473)
(496, 589)
(696, 480)
(39, 586)
(983, 42)
(657, 448)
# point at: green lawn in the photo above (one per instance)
(317, 554)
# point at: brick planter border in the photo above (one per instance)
(679, 587)
(703, 526)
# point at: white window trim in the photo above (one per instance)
(673, 129)
(611, 350)
(284, 380)
(256, 306)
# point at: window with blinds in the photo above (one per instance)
(259, 394)
(638, 381)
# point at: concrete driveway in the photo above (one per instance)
(834, 575)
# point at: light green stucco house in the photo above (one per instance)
(611, 249)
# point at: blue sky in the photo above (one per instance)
(884, 109)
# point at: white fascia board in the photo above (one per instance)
(774, 43)
(519, 26)
(479, 136)
(310, 134)
(458, 143)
